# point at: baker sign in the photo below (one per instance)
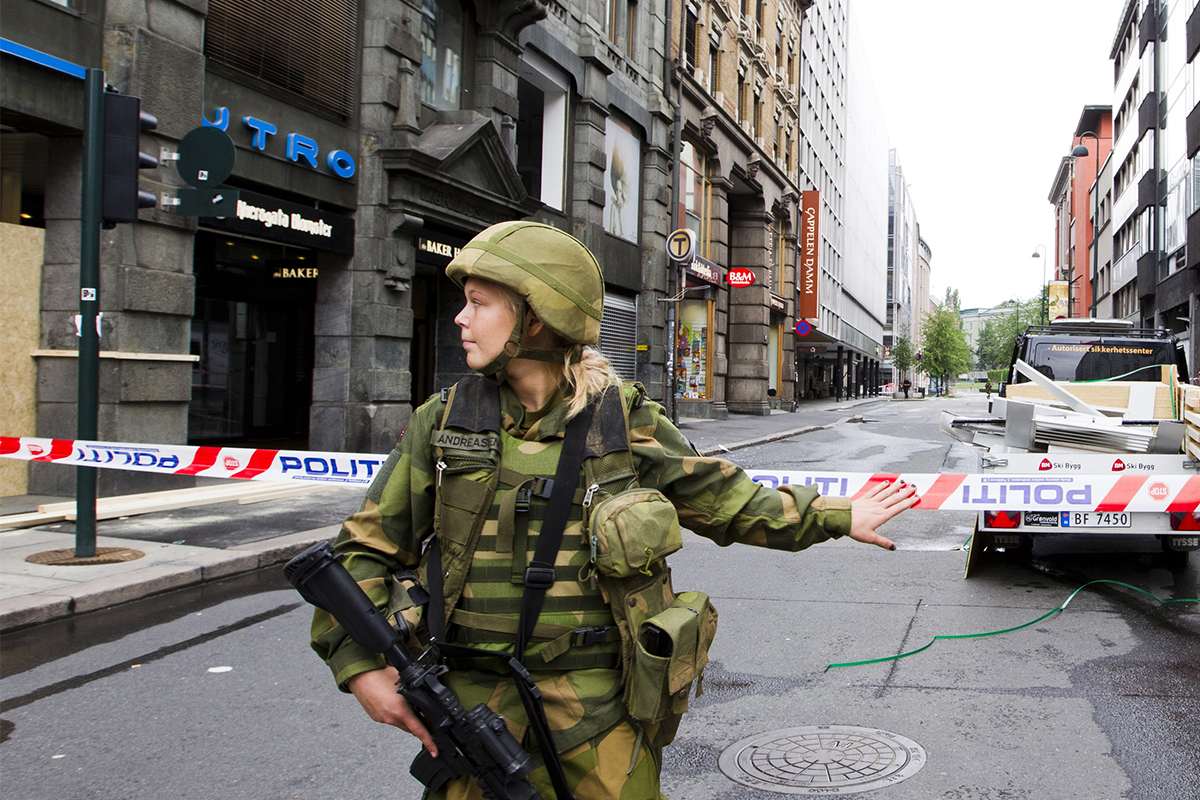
(1119, 491)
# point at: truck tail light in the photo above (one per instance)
(1002, 519)
(1185, 520)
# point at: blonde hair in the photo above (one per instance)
(589, 373)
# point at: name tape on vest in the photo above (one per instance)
(464, 441)
(941, 492)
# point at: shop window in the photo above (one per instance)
(618, 335)
(695, 196)
(622, 180)
(446, 67)
(542, 130)
(317, 60)
(693, 377)
(774, 359)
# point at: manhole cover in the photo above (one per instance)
(822, 759)
(66, 558)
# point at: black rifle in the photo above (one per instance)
(476, 741)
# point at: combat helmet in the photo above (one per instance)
(556, 276)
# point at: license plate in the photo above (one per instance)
(1096, 519)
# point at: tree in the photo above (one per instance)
(903, 356)
(944, 349)
(999, 333)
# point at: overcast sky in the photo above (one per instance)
(980, 101)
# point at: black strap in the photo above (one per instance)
(539, 575)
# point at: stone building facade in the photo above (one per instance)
(395, 130)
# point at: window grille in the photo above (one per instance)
(309, 47)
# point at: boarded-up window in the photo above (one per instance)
(308, 47)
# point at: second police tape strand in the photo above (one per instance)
(1132, 484)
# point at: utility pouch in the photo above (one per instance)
(670, 653)
(632, 530)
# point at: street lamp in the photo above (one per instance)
(1045, 286)
(1080, 150)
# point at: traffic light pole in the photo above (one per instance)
(88, 409)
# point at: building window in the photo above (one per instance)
(622, 15)
(778, 247)
(690, 25)
(317, 61)
(622, 180)
(443, 37)
(714, 63)
(542, 129)
(695, 196)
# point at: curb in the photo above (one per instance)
(208, 565)
(717, 450)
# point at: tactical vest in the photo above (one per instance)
(612, 584)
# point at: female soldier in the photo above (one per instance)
(467, 488)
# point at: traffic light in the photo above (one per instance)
(124, 121)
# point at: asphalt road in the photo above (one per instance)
(213, 693)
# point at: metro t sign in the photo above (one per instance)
(739, 276)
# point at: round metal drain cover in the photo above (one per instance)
(822, 759)
(66, 558)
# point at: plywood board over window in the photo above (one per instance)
(21, 275)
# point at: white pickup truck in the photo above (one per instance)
(1092, 398)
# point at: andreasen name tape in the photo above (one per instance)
(1155, 492)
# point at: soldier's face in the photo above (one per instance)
(485, 322)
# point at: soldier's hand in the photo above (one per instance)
(376, 692)
(876, 507)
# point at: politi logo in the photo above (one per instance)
(1118, 466)
(36, 449)
(1159, 491)
(1045, 465)
(231, 462)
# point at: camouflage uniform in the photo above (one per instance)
(606, 754)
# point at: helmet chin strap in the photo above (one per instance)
(495, 369)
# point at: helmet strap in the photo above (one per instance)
(495, 370)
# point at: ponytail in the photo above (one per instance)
(588, 372)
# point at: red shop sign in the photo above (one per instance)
(740, 276)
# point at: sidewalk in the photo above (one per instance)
(189, 546)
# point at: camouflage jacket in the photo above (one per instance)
(714, 498)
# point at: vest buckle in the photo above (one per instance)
(539, 577)
(585, 637)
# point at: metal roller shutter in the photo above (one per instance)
(618, 335)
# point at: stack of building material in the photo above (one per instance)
(1044, 416)
(1189, 408)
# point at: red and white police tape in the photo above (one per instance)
(1080, 483)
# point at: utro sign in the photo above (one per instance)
(740, 276)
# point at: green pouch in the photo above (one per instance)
(670, 654)
(631, 530)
